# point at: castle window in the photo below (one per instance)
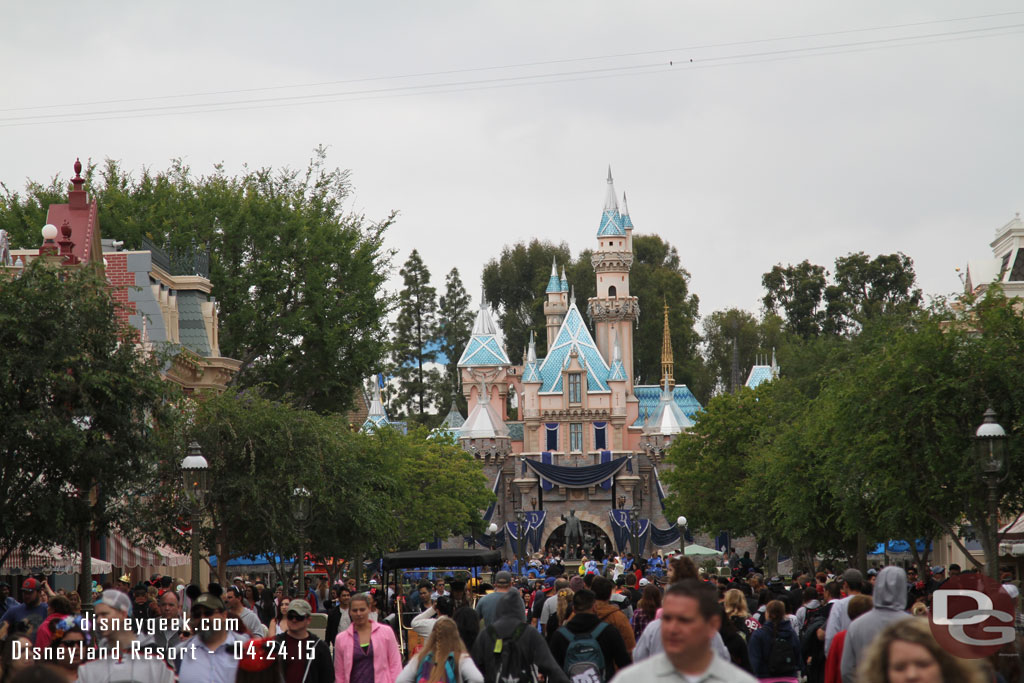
(551, 436)
(575, 388)
(600, 436)
(611, 291)
(576, 437)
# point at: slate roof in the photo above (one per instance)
(191, 326)
(483, 347)
(611, 221)
(573, 334)
(649, 396)
(758, 374)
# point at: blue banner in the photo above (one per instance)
(577, 477)
(545, 458)
(606, 457)
(534, 528)
(623, 532)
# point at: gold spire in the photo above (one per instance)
(667, 368)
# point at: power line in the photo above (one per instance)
(519, 81)
(521, 64)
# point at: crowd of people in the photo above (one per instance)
(611, 622)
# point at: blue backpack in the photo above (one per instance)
(427, 668)
(584, 660)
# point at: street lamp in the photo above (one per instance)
(681, 523)
(195, 481)
(990, 452)
(521, 538)
(300, 511)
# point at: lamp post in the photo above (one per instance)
(492, 529)
(195, 481)
(681, 523)
(990, 451)
(521, 540)
(300, 511)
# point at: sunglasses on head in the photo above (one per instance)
(295, 616)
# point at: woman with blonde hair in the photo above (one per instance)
(562, 613)
(735, 604)
(906, 651)
(443, 657)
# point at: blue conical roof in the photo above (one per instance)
(611, 221)
(554, 284)
(573, 334)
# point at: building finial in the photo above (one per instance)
(531, 351)
(572, 296)
(554, 267)
(609, 173)
(616, 349)
(667, 365)
(78, 180)
(564, 283)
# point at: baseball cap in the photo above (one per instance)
(300, 606)
(549, 582)
(211, 601)
(644, 582)
(30, 584)
(116, 600)
(938, 569)
(502, 578)
(872, 572)
(373, 582)
(852, 574)
(234, 589)
(1011, 590)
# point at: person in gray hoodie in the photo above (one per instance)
(890, 604)
(511, 629)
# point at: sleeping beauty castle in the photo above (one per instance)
(585, 440)
(588, 440)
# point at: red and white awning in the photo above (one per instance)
(52, 561)
(122, 553)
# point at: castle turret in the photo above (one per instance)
(613, 307)
(667, 366)
(557, 303)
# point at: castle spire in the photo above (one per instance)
(531, 352)
(554, 284)
(564, 281)
(611, 221)
(667, 366)
(627, 222)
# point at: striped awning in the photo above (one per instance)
(122, 553)
(53, 561)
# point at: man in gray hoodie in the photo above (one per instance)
(511, 643)
(890, 603)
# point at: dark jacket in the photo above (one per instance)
(761, 642)
(612, 646)
(319, 669)
(508, 615)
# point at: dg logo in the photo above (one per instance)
(972, 616)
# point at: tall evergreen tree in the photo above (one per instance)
(416, 340)
(455, 320)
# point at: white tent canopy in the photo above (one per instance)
(55, 560)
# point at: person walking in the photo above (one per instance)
(209, 655)
(690, 617)
(278, 624)
(509, 649)
(307, 658)
(775, 647)
(905, 650)
(646, 610)
(586, 624)
(444, 648)
(367, 651)
(112, 620)
(889, 604)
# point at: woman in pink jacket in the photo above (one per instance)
(365, 652)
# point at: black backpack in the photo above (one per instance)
(513, 664)
(782, 660)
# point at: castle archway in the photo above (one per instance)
(596, 529)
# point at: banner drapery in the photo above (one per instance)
(534, 528)
(577, 477)
(623, 532)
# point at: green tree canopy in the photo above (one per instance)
(455, 319)
(416, 342)
(299, 280)
(85, 411)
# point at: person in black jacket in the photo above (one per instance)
(337, 617)
(584, 621)
(511, 628)
(308, 659)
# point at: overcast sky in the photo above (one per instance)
(758, 151)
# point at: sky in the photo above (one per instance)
(744, 133)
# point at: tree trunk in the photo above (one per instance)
(862, 552)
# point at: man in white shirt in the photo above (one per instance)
(690, 617)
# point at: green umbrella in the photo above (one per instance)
(695, 549)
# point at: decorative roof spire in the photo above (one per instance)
(376, 404)
(667, 366)
(616, 349)
(564, 282)
(554, 284)
(78, 181)
(531, 352)
(627, 223)
(611, 221)
(484, 324)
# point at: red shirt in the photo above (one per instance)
(833, 671)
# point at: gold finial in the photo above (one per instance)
(667, 366)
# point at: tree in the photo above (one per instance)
(415, 344)
(657, 278)
(797, 291)
(514, 283)
(865, 288)
(85, 412)
(455, 320)
(299, 281)
(724, 330)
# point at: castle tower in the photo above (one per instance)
(557, 303)
(613, 307)
(667, 366)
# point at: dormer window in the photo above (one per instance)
(575, 387)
